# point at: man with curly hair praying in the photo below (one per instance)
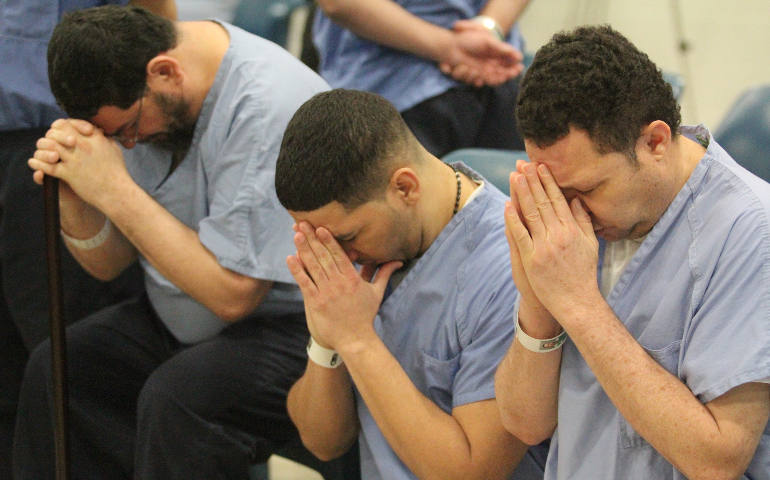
(655, 363)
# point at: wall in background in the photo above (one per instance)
(729, 42)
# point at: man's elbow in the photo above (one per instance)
(324, 443)
(104, 272)
(725, 465)
(715, 472)
(523, 430)
(244, 297)
(325, 450)
(235, 308)
(231, 312)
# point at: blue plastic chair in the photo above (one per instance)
(493, 164)
(266, 18)
(745, 131)
(677, 83)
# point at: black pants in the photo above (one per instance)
(144, 406)
(465, 117)
(23, 277)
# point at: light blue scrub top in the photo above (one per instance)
(26, 100)
(696, 296)
(449, 324)
(224, 188)
(349, 61)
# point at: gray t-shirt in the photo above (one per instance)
(224, 188)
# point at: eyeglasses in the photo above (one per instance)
(123, 135)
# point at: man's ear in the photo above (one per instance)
(405, 186)
(656, 138)
(164, 70)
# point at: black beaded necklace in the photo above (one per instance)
(459, 191)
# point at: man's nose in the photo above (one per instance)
(569, 193)
(352, 253)
(128, 143)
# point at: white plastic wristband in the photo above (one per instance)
(324, 357)
(90, 243)
(538, 345)
(490, 24)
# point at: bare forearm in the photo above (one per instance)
(527, 389)
(322, 407)
(687, 433)
(431, 442)
(82, 221)
(527, 383)
(177, 253)
(387, 23)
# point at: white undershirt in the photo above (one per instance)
(616, 257)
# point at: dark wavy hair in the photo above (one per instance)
(98, 56)
(593, 79)
(342, 146)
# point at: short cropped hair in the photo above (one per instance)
(341, 145)
(98, 56)
(596, 80)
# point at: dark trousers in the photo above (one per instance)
(13, 355)
(143, 406)
(23, 277)
(466, 116)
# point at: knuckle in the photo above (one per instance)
(532, 216)
(521, 237)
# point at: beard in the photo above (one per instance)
(180, 125)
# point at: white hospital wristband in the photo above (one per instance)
(538, 345)
(90, 243)
(324, 357)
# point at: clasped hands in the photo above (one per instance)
(340, 301)
(553, 248)
(478, 58)
(78, 153)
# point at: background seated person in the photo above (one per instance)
(450, 67)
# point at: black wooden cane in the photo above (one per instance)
(58, 350)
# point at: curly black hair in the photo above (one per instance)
(341, 145)
(596, 80)
(98, 56)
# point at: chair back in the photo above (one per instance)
(745, 131)
(493, 164)
(266, 18)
